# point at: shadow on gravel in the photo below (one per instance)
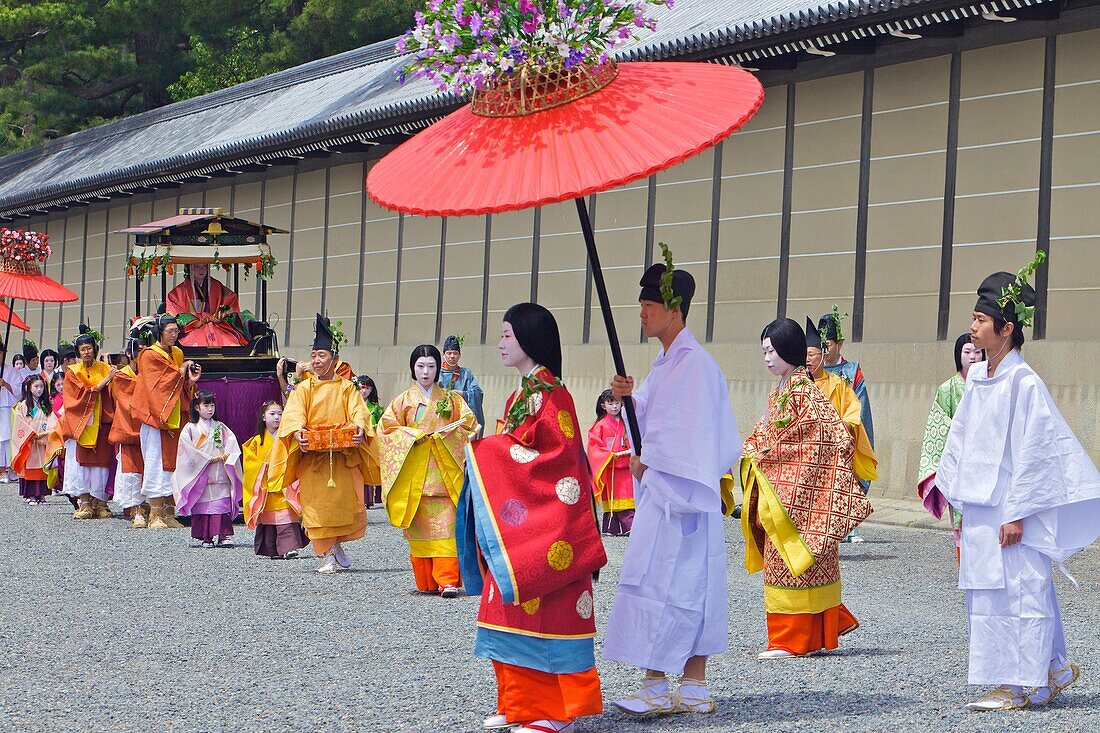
(810, 705)
(368, 571)
(868, 652)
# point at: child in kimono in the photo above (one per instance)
(207, 480)
(273, 516)
(34, 421)
(609, 457)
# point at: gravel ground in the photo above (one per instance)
(108, 628)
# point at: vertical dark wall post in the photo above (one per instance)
(715, 221)
(324, 240)
(397, 276)
(486, 257)
(1046, 175)
(83, 265)
(951, 164)
(650, 233)
(290, 257)
(362, 259)
(864, 195)
(64, 246)
(536, 242)
(442, 276)
(788, 197)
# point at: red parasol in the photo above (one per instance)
(7, 315)
(648, 118)
(25, 281)
(589, 131)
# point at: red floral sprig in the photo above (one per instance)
(24, 245)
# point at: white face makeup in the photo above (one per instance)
(48, 364)
(510, 351)
(366, 392)
(612, 407)
(206, 410)
(273, 417)
(970, 356)
(773, 361)
(425, 370)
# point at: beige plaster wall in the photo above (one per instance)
(323, 204)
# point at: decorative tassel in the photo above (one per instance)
(331, 480)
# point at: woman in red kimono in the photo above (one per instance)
(609, 456)
(207, 311)
(528, 541)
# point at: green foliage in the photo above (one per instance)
(66, 65)
(671, 300)
(1011, 293)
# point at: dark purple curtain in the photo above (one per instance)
(239, 400)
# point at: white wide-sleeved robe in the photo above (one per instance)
(671, 602)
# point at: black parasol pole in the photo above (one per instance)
(608, 319)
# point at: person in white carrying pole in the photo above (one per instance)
(1029, 496)
(670, 611)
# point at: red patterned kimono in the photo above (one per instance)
(801, 499)
(198, 319)
(528, 542)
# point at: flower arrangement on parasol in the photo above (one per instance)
(22, 250)
(469, 45)
(553, 116)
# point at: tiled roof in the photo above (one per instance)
(355, 96)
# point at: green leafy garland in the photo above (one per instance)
(667, 294)
(219, 442)
(796, 380)
(443, 406)
(836, 318)
(338, 337)
(521, 409)
(1011, 293)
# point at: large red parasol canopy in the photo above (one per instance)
(652, 116)
(648, 117)
(29, 283)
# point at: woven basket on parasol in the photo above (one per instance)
(536, 88)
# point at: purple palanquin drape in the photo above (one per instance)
(239, 400)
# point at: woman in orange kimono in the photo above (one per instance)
(609, 457)
(34, 421)
(422, 440)
(529, 542)
(801, 499)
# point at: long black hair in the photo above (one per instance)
(43, 402)
(788, 340)
(202, 397)
(425, 351)
(365, 381)
(604, 397)
(261, 428)
(537, 333)
(58, 373)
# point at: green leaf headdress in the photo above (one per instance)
(671, 300)
(1013, 292)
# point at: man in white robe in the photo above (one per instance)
(670, 611)
(1029, 496)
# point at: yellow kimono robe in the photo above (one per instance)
(329, 514)
(421, 481)
(259, 500)
(848, 406)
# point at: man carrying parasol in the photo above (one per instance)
(670, 611)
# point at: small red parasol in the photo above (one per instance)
(7, 315)
(559, 134)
